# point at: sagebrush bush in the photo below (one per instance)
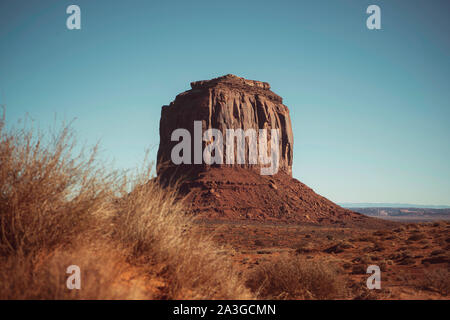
(48, 195)
(43, 276)
(294, 277)
(59, 207)
(437, 280)
(151, 222)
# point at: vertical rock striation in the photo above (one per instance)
(227, 102)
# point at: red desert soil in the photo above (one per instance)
(414, 258)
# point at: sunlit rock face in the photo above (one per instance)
(227, 102)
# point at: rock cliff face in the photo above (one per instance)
(227, 102)
(239, 192)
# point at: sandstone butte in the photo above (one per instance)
(238, 192)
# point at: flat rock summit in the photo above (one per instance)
(237, 192)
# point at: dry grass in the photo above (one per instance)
(47, 195)
(294, 277)
(151, 223)
(59, 208)
(437, 280)
(44, 276)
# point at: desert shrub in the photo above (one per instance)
(437, 252)
(359, 269)
(294, 277)
(347, 265)
(305, 247)
(437, 280)
(43, 276)
(437, 224)
(379, 246)
(417, 236)
(367, 239)
(383, 264)
(258, 243)
(361, 292)
(48, 194)
(407, 261)
(339, 247)
(151, 223)
(55, 204)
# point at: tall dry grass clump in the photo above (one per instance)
(151, 224)
(59, 208)
(294, 277)
(43, 276)
(437, 280)
(48, 196)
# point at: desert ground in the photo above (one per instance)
(413, 257)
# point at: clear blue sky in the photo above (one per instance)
(370, 109)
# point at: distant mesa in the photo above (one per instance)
(238, 191)
(391, 205)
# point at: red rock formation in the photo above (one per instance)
(228, 102)
(238, 192)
